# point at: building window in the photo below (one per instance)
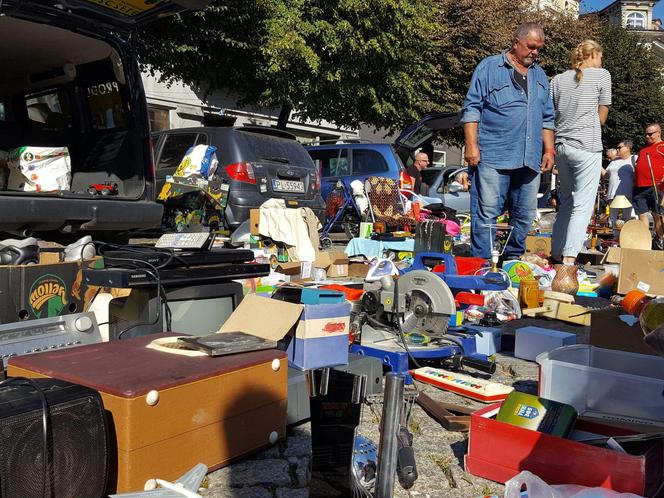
(636, 20)
(160, 119)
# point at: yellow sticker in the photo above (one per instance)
(128, 7)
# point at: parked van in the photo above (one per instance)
(70, 82)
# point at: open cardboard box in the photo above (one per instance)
(314, 335)
(263, 317)
(643, 270)
(335, 263)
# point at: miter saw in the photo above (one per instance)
(407, 319)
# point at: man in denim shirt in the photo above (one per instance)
(508, 122)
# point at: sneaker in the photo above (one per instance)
(658, 244)
(19, 252)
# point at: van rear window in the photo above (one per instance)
(51, 110)
(105, 104)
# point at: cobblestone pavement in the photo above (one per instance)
(283, 470)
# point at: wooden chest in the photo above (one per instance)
(169, 412)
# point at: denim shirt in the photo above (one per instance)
(510, 122)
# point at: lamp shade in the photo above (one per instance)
(620, 202)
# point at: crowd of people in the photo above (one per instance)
(518, 125)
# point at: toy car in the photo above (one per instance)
(107, 188)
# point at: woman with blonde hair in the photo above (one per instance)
(581, 98)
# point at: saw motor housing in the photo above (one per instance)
(421, 297)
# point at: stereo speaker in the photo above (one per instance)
(76, 445)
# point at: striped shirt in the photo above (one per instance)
(577, 119)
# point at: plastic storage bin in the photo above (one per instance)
(605, 383)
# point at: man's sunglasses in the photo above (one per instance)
(652, 133)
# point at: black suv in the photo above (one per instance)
(259, 163)
(70, 79)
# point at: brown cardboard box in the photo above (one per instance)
(358, 270)
(292, 268)
(538, 244)
(643, 270)
(609, 331)
(335, 263)
(254, 219)
(612, 256)
(44, 290)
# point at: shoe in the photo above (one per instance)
(82, 249)
(658, 244)
(19, 252)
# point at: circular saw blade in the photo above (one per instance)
(420, 317)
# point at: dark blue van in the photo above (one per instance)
(70, 80)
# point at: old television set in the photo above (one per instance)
(196, 310)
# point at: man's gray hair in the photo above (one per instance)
(523, 30)
(627, 143)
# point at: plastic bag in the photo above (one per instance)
(200, 160)
(39, 169)
(537, 488)
(503, 303)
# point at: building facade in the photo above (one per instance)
(180, 106)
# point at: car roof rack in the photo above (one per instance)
(335, 141)
(266, 130)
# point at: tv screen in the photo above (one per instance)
(196, 310)
(200, 316)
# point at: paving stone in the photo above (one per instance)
(302, 473)
(271, 452)
(298, 445)
(292, 493)
(268, 472)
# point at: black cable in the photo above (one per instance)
(25, 382)
(154, 273)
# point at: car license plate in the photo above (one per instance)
(287, 186)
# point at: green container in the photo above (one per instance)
(537, 414)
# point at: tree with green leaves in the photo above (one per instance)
(637, 85)
(346, 61)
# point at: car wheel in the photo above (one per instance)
(351, 225)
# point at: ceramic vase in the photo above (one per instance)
(565, 280)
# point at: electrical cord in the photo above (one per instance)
(25, 382)
(153, 271)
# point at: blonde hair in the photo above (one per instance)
(583, 51)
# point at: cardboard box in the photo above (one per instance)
(539, 244)
(612, 256)
(613, 329)
(499, 451)
(42, 291)
(358, 270)
(640, 269)
(254, 220)
(321, 337)
(335, 263)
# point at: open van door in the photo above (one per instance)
(121, 15)
(421, 134)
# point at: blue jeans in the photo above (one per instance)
(578, 172)
(492, 191)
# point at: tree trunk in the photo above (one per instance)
(284, 114)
